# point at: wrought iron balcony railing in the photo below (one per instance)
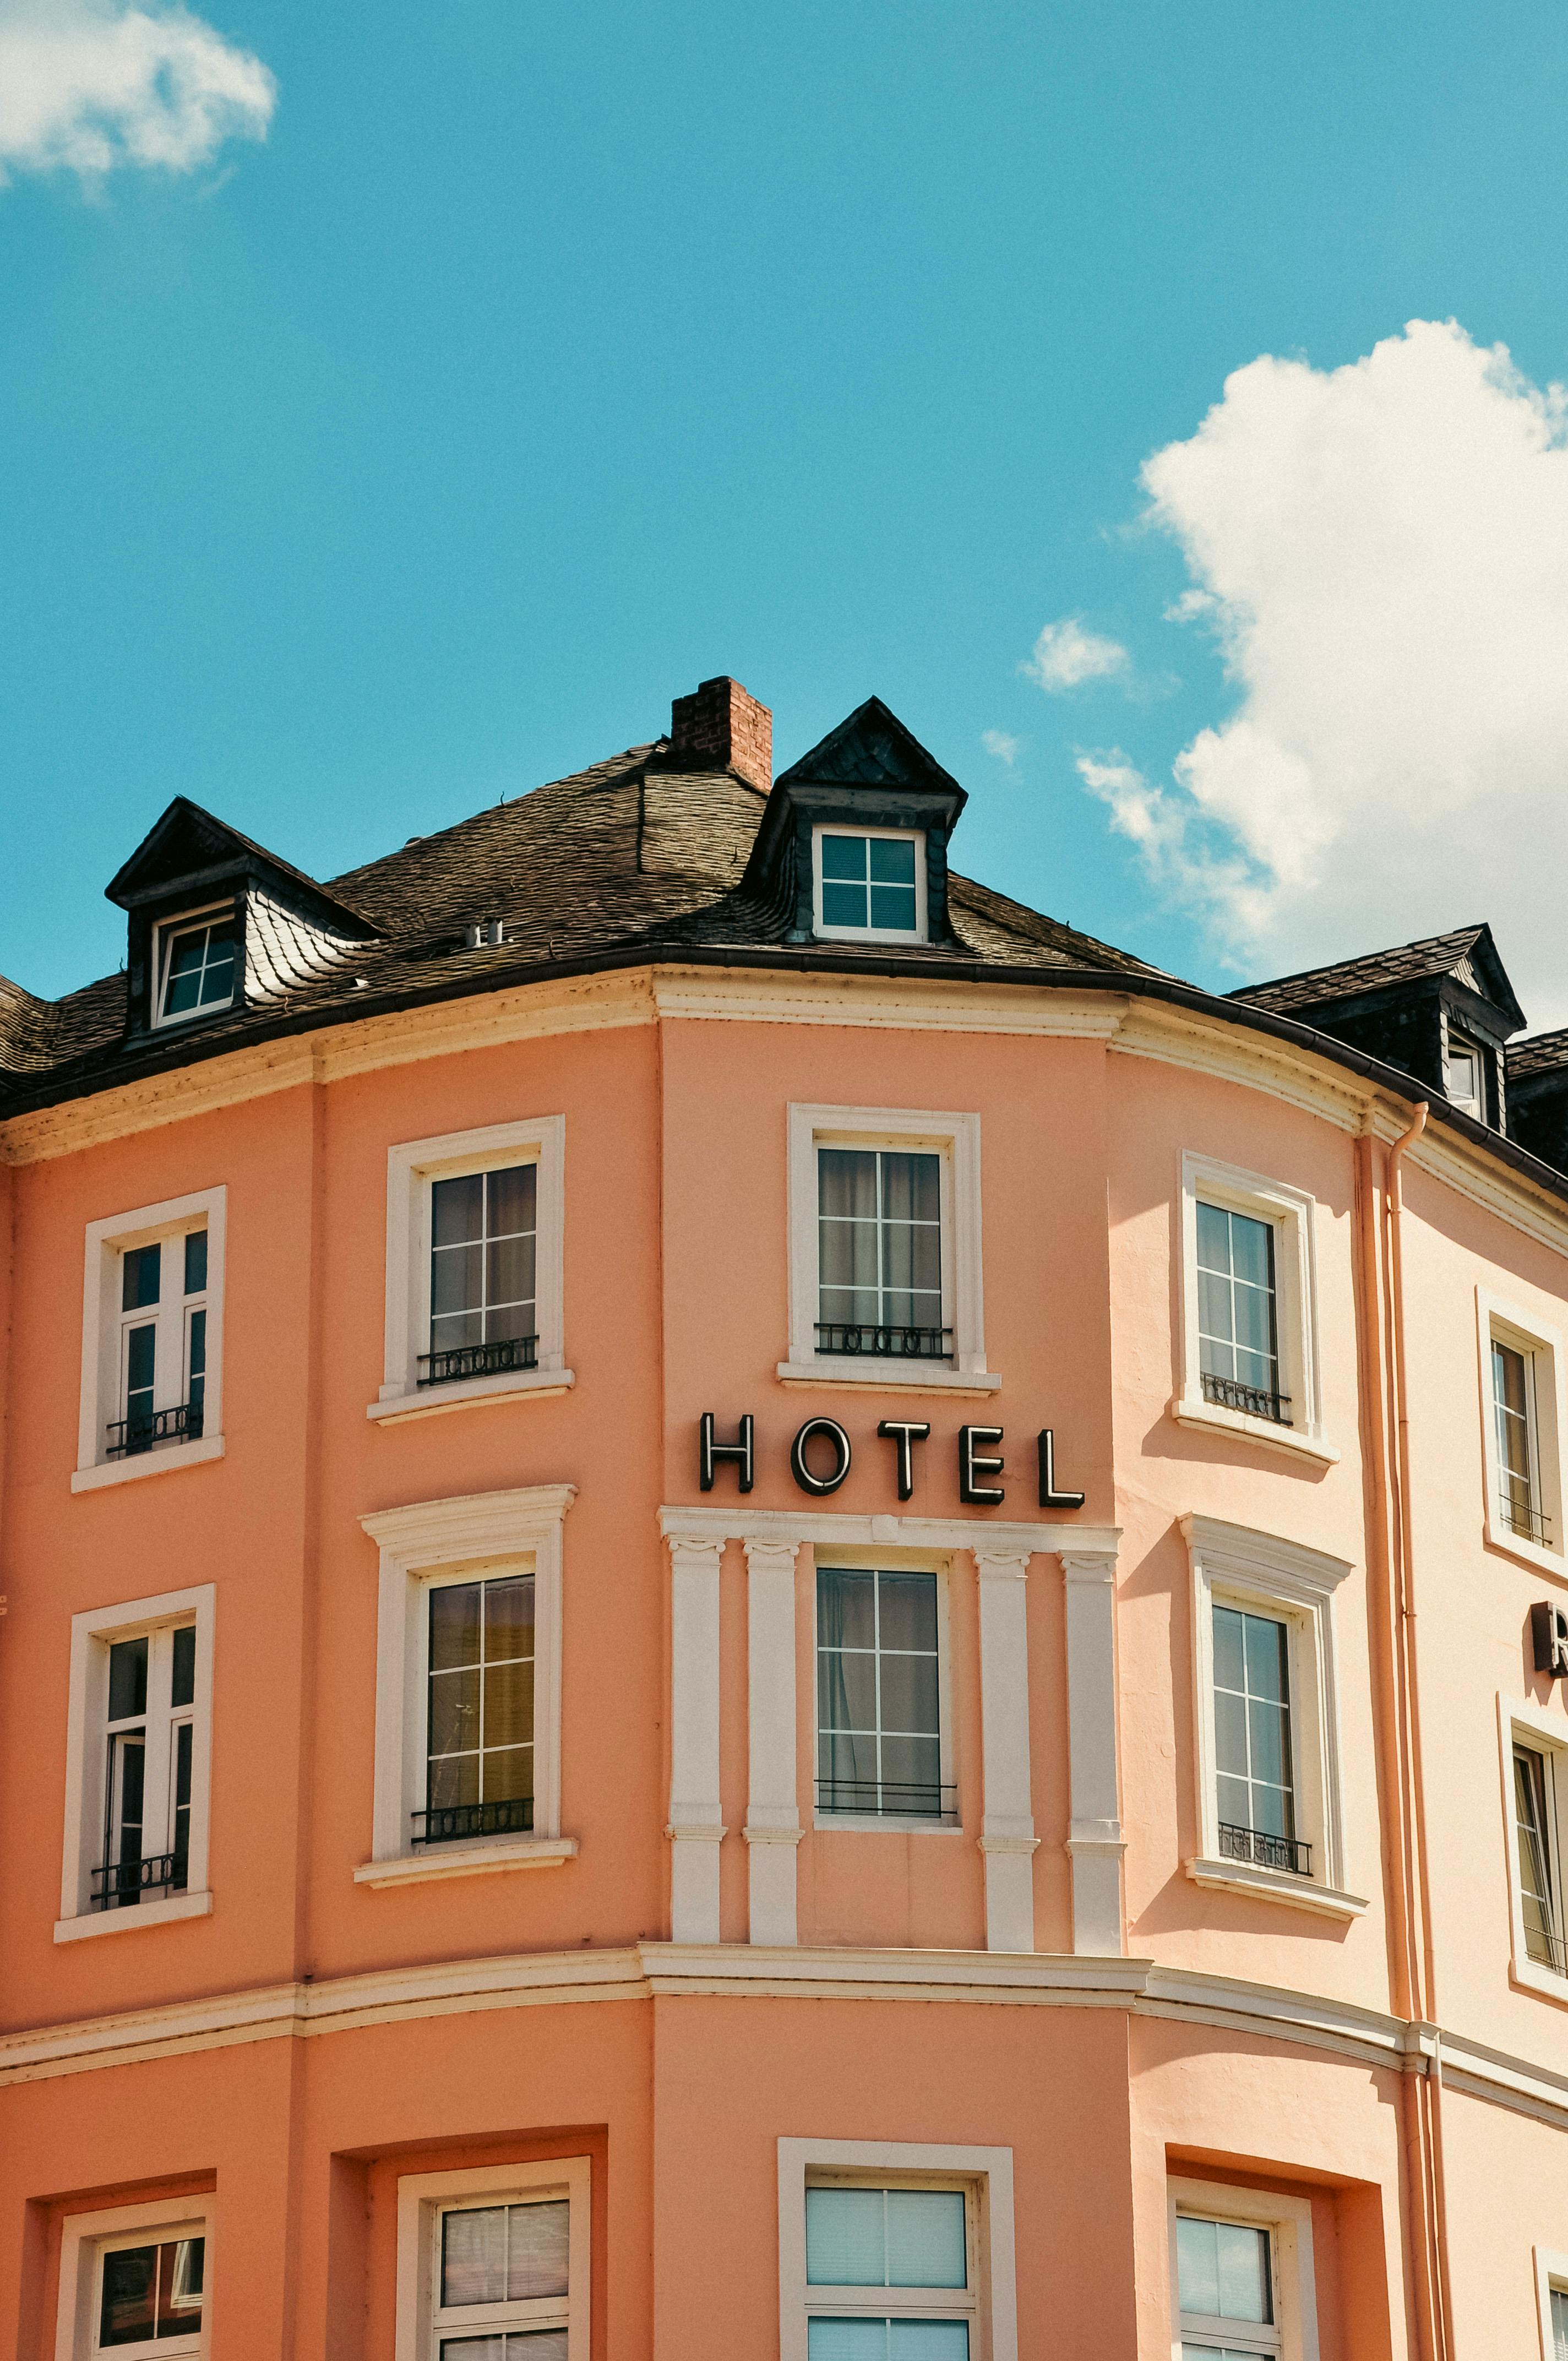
(118, 1882)
(478, 1360)
(149, 1428)
(892, 1344)
(1229, 1393)
(885, 1799)
(1265, 1851)
(453, 1822)
(1522, 1517)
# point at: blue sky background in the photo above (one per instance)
(544, 361)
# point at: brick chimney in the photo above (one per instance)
(723, 728)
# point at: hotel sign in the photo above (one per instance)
(821, 1454)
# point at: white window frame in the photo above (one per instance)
(1235, 1566)
(1543, 1733)
(163, 933)
(1456, 1040)
(422, 2197)
(1550, 2273)
(412, 1167)
(1291, 1215)
(883, 1560)
(986, 2172)
(1542, 1344)
(86, 1742)
(493, 1532)
(106, 1242)
(85, 2238)
(921, 933)
(955, 1138)
(1289, 2220)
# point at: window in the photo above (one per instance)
(1246, 1346)
(1464, 1076)
(1552, 2295)
(474, 1268)
(195, 958)
(151, 1340)
(1559, 2323)
(469, 1687)
(1521, 1365)
(1266, 1746)
(133, 2283)
(139, 1741)
(893, 2252)
(871, 884)
(1535, 1767)
(879, 1723)
(493, 2266)
(885, 1284)
(1242, 2273)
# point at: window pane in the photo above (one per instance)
(506, 1776)
(537, 2250)
(1229, 1656)
(454, 1625)
(894, 905)
(844, 905)
(127, 1678)
(455, 1711)
(892, 860)
(909, 1693)
(474, 2256)
(1198, 2266)
(928, 2340)
(846, 1689)
(846, 1182)
(907, 1607)
(846, 1607)
(1265, 1659)
(457, 1210)
(509, 1272)
(456, 1279)
(509, 1704)
(846, 2340)
(182, 1689)
(1558, 2325)
(179, 2272)
(454, 1782)
(1251, 1251)
(141, 1277)
(1244, 2289)
(1213, 1239)
(128, 2312)
(513, 1197)
(925, 2238)
(195, 1261)
(844, 856)
(1230, 1734)
(911, 1775)
(509, 1619)
(846, 2237)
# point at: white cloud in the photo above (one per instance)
(86, 84)
(1066, 655)
(1382, 553)
(1006, 749)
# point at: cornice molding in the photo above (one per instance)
(794, 1528)
(924, 1004)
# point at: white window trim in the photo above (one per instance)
(421, 2197)
(411, 1167)
(956, 1139)
(989, 2169)
(1551, 2271)
(921, 931)
(164, 930)
(425, 1539)
(1258, 1571)
(107, 1241)
(90, 1636)
(1545, 1733)
(1290, 2220)
(1509, 1324)
(1291, 1215)
(894, 1561)
(81, 2237)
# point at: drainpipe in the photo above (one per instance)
(1420, 1969)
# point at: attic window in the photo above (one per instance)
(1464, 1077)
(194, 965)
(870, 883)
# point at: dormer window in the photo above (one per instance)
(871, 884)
(1463, 1076)
(195, 965)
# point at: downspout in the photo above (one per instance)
(1420, 1966)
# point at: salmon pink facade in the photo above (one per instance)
(755, 1608)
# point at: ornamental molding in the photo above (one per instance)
(795, 1529)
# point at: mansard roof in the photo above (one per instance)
(1468, 956)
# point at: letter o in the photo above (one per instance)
(802, 1473)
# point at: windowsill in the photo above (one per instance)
(886, 1824)
(912, 937)
(126, 1922)
(468, 1859)
(1528, 1553)
(1525, 1975)
(431, 1401)
(1273, 1885)
(148, 1463)
(1187, 1411)
(919, 1376)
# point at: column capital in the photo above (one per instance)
(767, 1553)
(1089, 1565)
(1001, 1562)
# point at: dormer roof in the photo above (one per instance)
(1467, 957)
(188, 849)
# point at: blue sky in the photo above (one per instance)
(540, 362)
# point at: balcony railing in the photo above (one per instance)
(883, 1799)
(118, 1882)
(1521, 1516)
(478, 1360)
(149, 1428)
(1265, 1851)
(890, 1344)
(1229, 1393)
(1546, 1949)
(454, 1822)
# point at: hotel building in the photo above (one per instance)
(754, 1608)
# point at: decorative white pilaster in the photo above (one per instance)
(695, 1829)
(772, 1814)
(1007, 1836)
(1094, 1833)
